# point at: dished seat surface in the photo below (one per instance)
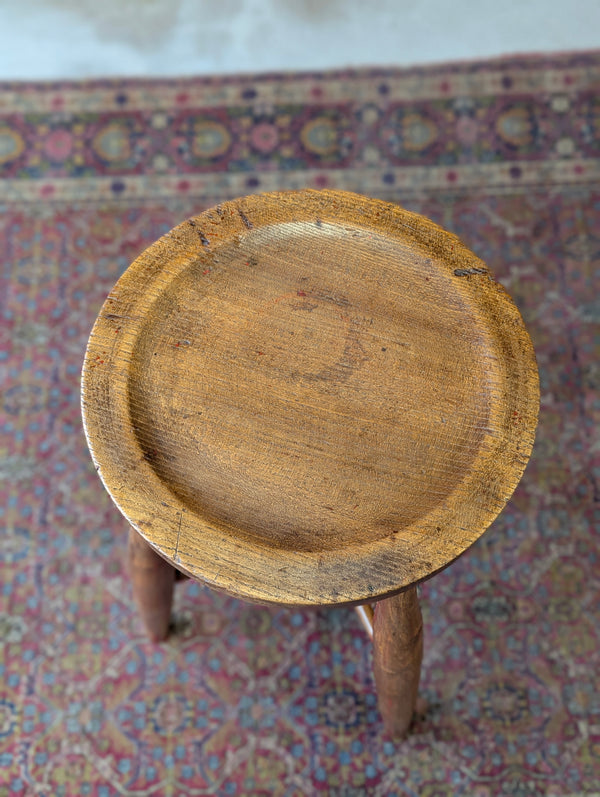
(309, 397)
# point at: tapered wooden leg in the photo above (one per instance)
(152, 579)
(397, 655)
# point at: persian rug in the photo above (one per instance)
(245, 700)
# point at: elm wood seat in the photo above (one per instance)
(309, 398)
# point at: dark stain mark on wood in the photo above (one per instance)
(341, 301)
(150, 456)
(176, 554)
(465, 272)
(247, 223)
(203, 239)
(306, 306)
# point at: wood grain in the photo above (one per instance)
(309, 397)
(397, 655)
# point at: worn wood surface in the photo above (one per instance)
(397, 655)
(309, 398)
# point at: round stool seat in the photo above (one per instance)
(309, 397)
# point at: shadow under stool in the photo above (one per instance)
(309, 398)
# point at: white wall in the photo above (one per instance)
(83, 38)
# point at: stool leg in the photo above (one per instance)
(365, 615)
(152, 579)
(397, 655)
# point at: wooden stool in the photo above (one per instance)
(309, 398)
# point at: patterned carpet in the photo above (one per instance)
(250, 701)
